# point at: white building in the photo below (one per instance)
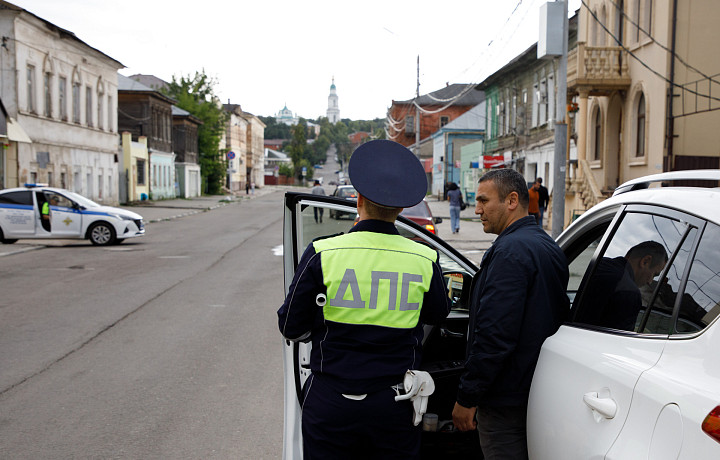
(333, 110)
(286, 116)
(63, 94)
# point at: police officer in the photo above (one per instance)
(362, 299)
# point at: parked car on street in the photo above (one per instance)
(69, 215)
(422, 215)
(634, 370)
(347, 192)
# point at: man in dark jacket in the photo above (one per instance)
(518, 300)
(544, 199)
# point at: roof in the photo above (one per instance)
(469, 95)
(181, 113)
(150, 81)
(473, 119)
(127, 84)
(64, 33)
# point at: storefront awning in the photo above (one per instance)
(15, 132)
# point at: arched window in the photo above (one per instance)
(640, 131)
(597, 147)
(100, 100)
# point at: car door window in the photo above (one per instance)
(700, 304)
(629, 277)
(21, 198)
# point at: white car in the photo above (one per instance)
(70, 216)
(644, 388)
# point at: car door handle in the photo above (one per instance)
(605, 407)
(446, 333)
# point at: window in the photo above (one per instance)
(62, 98)
(444, 121)
(640, 131)
(88, 106)
(409, 125)
(24, 198)
(31, 88)
(535, 105)
(76, 102)
(47, 81)
(647, 17)
(33, 177)
(89, 180)
(542, 96)
(100, 186)
(110, 114)
(141, 172)
(513, 113)
(636, 20)
(634, 282)
(50, 179)
(100, 109)
(63, 180)
(701, 303)
(597, 141)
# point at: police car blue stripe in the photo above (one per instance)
(16, 206)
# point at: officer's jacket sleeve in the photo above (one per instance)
(436, 303)
(297, 314)
(499, 304)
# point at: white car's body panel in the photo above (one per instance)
(73, 221)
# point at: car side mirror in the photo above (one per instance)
(438, 220)
(458, 286)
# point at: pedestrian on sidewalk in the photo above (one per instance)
(543, 200)
(318, 190)
(454, 195)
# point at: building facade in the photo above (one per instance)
(143, 111)
(185, 147)
(255, 156)
(236, 146)
(641, 77)
(62, 93)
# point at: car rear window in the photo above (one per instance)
(22, 197)
(347, 193)
(420, 209)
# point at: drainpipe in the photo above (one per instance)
(671, 95)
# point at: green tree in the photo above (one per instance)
(297, 148)
(197, 95)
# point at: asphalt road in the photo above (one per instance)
(163, 347)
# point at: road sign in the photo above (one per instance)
(304, 171)
(231, 155)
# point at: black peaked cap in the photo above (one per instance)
(388, 174)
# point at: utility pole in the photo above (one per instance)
(561, 133)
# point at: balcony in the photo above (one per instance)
(597, 69)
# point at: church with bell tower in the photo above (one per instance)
(333, 110)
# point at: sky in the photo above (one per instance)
(267, 54)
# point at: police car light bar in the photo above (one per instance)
(35, 185)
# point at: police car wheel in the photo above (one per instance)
(102, 234)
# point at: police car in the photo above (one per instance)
(38, 211)
(648, 389)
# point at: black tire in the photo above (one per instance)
(3, 240)
(101, 234)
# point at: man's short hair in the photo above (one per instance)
(539, 180)
(376, 211)
(507, 181)
(651, 248)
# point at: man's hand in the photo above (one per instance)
(464, 418)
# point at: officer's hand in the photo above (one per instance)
(464, 418)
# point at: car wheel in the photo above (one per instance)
(101, 234)
(3, 240)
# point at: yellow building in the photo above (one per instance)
(134, 172)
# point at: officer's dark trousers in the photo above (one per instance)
(377, 427)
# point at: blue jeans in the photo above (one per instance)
(454, 218)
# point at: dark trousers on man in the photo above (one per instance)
(315, 212)
(375, 427)
(503, 432)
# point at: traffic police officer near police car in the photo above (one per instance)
(362, 298)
